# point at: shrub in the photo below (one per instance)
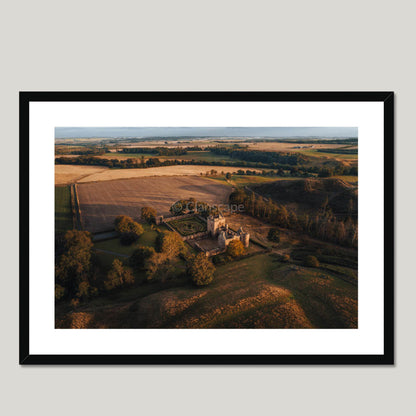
(235, 249)
(200, 269)
(274, 235)
(311, 261)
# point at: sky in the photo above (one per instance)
(282, 132)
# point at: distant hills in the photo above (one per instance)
(172, 133)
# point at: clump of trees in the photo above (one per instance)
(78, 274)
(323, 225)
(74, 274)
(118, 276)
(259, 155)
(148, 214)
(200, 269)
(128, 229)
(235, 249)
(160, 264)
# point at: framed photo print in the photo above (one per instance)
(206, 228)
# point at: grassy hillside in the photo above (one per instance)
(256, 292)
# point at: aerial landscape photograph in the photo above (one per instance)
(206, 227)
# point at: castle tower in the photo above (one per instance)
(222, 239)
(244, 237)
(214, 224)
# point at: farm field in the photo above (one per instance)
(328, 155)
(289, 146)
(177, 170)
(66, 174)
(246, 180)
(102, 202)
(300, 269)
(63, 211)
(191, 155)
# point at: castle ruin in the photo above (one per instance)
(218, 228)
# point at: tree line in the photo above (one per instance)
(141, 163)
(323, 225)
(291, 159)
(160, 151)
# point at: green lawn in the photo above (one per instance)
(63, 212)
(247, 180)
(314, 152)
(148, 238)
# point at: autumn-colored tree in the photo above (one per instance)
(311, 261)
(235, 249)
(200, 269)
(118, 275)
(148, 214)
(74, 265)
(125, 224)
(159, 264)
(170, 244)
(83, 290)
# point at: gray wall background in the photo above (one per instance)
(215, 45)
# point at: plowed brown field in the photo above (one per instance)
(102, 202)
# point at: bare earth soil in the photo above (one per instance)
(102, 202)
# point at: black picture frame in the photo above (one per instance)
(386, 359)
